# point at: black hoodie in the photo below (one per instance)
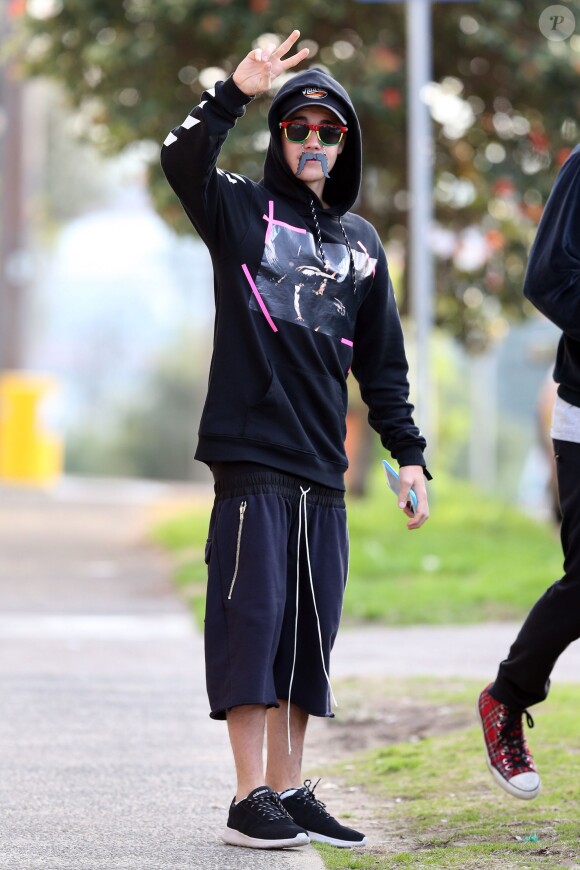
(302, 296)
(552, 279)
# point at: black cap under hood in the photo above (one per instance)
(342, 188)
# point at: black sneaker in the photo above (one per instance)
(310, 813)
(261, 822)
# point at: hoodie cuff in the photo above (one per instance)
(232, 97)
(413, 456)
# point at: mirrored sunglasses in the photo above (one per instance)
(298, 131)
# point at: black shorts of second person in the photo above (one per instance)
(253, 562)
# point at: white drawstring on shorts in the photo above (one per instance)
(302, 510)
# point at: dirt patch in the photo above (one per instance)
(370, 716)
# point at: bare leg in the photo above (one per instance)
(246, 730)
(284, 769)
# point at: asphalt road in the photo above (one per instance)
(109, 759)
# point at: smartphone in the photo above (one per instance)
(395, 484)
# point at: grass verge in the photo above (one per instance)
(438, 798)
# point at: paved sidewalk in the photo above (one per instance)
(469, 651)
(109, 759)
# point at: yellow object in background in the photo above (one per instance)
(28, 453)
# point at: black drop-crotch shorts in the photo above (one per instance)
(277, 555)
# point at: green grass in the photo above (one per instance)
(475, 559)
(438, 796)
(184, 536)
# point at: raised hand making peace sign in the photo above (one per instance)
(258, 70)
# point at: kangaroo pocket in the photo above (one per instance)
(301, 411)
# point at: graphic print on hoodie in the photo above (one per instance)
(295, 286)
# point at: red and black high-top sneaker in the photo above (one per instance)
(508, 756)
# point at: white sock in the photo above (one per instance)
(288, 793)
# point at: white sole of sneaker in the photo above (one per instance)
(236, 838)
(342, 844)
(528, 795)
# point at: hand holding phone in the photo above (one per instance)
(394, 483)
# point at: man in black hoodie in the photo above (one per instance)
(303, 297)
(552, 283)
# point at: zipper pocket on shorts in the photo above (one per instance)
(243, 506)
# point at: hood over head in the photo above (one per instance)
(309, 88)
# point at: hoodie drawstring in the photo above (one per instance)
(301, 513)
(352, 266)
(321, 249)
(318, 235)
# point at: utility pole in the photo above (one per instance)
(420, 182)
(420, 173)
(12, 285)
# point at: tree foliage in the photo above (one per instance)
(504, 100)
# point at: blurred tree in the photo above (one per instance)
(504, 100)
(151, 434)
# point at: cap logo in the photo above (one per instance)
(314, 93)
